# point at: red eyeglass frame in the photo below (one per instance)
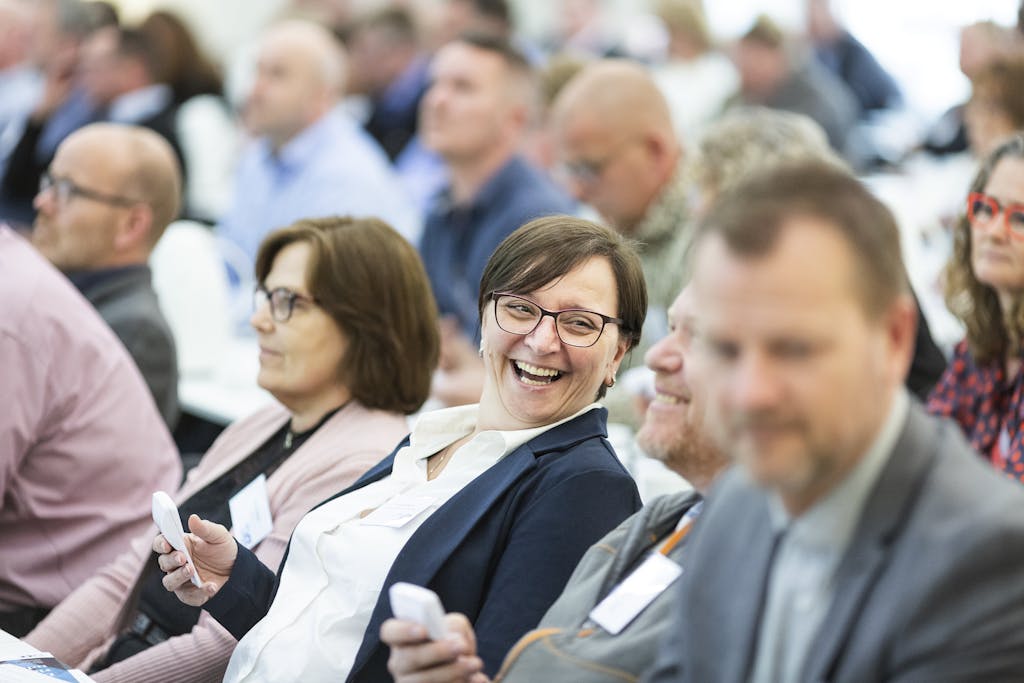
(997, 209)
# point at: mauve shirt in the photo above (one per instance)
(82, 446)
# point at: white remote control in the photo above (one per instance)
(419, 605)
(165, 514)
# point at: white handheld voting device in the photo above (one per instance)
(165, 514)
(420, 605)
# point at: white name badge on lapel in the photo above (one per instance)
(635, 593)
(251, 520)
(398, 511)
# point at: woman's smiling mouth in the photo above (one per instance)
(534, 375)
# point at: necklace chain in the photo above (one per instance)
(440, 462)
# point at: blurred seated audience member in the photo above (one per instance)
(388, 65)
(748, 141)
(422, 170)
(339, 300)
(336, 15)
(102, 13)
(102, 206)
(673, 432)
(205, 125)
(475, 114)
(82, 446)
(582, 30)
(773, 73)
(539, 144)
(490, 505)
(181, 64)
(19, 82)
(58, 105)
(983, 388)
(846, 57)
(996, 108)
(454, 18)
(118, 74)
(308, 158)
(696, 79)
(618, 152)
(981, 44)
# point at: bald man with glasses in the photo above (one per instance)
(102, 206)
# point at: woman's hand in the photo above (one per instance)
(213, 551)
(417, 659)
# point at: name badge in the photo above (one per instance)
(635, 593)
(398, 511)
(251, 520)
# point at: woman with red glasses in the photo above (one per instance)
(982, 388)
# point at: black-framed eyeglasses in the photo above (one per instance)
(575, 326)
(65, 188)
(282, 301)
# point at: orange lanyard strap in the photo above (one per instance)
(679, 534)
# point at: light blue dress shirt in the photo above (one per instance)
(331, 168)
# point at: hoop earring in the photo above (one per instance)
(610, 383)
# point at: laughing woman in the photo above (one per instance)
(490, 505)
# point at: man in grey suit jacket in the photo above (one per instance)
(102, 205)
(858, 540)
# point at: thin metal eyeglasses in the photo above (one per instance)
(982, 208)
(589, 171)
(282, 301)
(65, 189)
(574, 326)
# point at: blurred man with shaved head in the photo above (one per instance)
(619, 153)
(309, 159)
(104, 202)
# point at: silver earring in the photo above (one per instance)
(610, 383)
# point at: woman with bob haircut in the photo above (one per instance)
(982, 388)
(347, 335)
(489, 505)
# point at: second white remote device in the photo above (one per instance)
(418, 604)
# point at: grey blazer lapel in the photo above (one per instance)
(888, 507)
(724, 632)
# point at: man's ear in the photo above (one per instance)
(901, 334)
(135, 228)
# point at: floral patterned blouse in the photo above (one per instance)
(987, 406)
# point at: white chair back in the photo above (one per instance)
(190, 279)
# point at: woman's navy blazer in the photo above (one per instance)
(499, 551)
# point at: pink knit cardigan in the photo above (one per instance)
(82, 627)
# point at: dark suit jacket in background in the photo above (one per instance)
(499, 551)
(931, 589)
(126, 301)
(30, 157)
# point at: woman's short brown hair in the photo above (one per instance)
(547, 249)
(371, 281)
(989, 335)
